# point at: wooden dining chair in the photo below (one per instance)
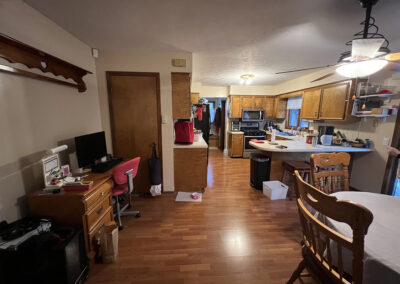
(330, 171)
(322, 246)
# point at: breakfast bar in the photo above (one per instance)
(296, 150)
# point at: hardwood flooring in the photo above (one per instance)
(235, 235)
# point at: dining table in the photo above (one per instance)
(382, 241)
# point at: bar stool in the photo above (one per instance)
(288, 177)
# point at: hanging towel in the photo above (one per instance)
(199, 113)
(217, 118)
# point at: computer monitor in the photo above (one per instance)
(89, 148)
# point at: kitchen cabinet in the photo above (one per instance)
(280, 106)
(310, 104)
(269, 103)
(181, 100)
(247, 102)
(258, 102)
(235, 144)
(194, 98)
(236, 107)
(334, 101)
(190, 169)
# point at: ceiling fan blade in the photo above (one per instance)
(323, 77)
(304, 69)
(393, 56)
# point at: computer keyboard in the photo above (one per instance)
(103, 167)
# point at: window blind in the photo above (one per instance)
(294, 102)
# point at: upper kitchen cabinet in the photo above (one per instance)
(194, 97)
(236, 107)
(334, 101)
(269, 103)
(310, 104)
(181, 99)
(258, 102)
(247, 102)
(280, 106)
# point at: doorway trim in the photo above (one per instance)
(109, 74)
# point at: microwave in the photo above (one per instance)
(252, 115)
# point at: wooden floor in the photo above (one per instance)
(235, 235)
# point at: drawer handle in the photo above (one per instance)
(102, 193)
(99, 210)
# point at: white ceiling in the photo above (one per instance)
(227, 37)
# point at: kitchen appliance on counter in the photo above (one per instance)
(235, 126)
(325, 135)
(251, 131)
(252, 115)
(184, 133)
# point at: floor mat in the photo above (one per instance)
(185, 197)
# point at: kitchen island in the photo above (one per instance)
(190, 166)
(297, 150)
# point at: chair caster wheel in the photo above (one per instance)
(120, 228)
(138, 215)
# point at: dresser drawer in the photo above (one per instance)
(93, 216)
(106, 218)
(98, 194)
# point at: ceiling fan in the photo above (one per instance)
(369, 51)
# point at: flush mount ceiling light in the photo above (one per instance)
(246, 79)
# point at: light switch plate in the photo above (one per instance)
(164, 119)
(386, 141)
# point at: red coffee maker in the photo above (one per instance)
(184, 133)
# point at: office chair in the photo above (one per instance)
(123, 176)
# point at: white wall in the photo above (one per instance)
(209, 91)
(267, 90)
(37, 115)
(145, 62)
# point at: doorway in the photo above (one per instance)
(135, 118)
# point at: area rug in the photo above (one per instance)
(185, 197)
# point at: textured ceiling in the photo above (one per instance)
(227, 37)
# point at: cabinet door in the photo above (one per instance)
(280, 107)
(194, 97)
(247, 102)
(269, 106)
(258, 102)
(310, 104)
(236, 107)
(181, 101)
(334, 101)
(237, 145)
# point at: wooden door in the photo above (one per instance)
(236, 107)
(181, 100)
(280, 106)
(258, 102)
(247, 102)
(310, 104)
(333, 101)
(269, 106)
(135, 117)
(222, 130)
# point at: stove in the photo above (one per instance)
(251, 131)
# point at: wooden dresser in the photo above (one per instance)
(89, 210)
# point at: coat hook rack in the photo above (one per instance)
(17, 52)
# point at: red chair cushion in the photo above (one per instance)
(120, 189)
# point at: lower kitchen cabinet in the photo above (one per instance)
(190, 169)
(235, 144)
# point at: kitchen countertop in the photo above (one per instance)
(301, 146)
(199, 144)
(235, 132)
(283, 136)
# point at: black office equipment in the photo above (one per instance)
(90, 148)
(105, 166)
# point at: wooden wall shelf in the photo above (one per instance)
(17, 52)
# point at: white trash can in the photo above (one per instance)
(274, 189)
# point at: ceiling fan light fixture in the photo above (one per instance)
(361, 68)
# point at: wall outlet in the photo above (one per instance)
(386, 141)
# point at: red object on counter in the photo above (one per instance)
(184, 133)
(309, 139)
(257, 141)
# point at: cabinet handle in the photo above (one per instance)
(102, 193)
(99, 210)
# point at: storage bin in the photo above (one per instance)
(274, 189)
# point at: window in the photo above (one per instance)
(293, 114)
